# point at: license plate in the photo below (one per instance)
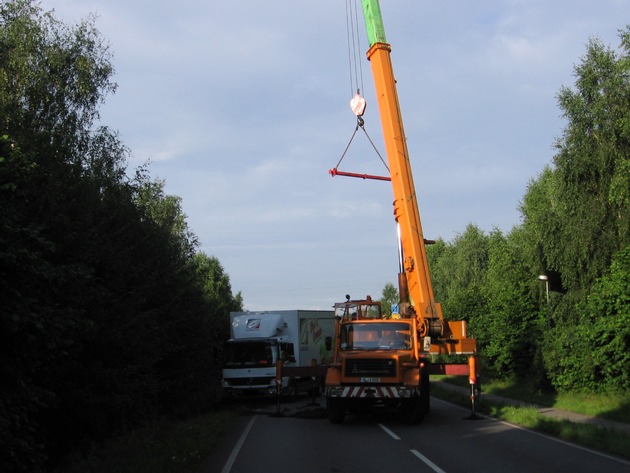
(370, 380)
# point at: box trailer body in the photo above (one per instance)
(301, 339)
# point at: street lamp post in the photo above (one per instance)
(544, 277)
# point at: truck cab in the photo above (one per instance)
(296, 342)
(376, 363)
(250, 356)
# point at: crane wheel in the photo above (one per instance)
(412, 410)
(336, 410)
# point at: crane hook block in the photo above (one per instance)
(358, 104)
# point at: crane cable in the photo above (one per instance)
(360, 124)
(357, 103)
(354, 47)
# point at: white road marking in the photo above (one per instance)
(389, 432)
(230, 461)
(427, 462)
(416, 453)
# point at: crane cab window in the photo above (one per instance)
(376, 336)
(358, 311)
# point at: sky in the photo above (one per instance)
(242, 107)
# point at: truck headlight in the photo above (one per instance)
(334, 391)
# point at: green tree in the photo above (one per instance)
(217, 289)
(458, 272)
(608, 311)
(576, 215)
(592, 166)
(593, 355)
(389, 298)
(107, 318)
(165, 210)
(511, 324)
(51, 78)
(54, 77)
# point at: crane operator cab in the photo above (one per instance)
(358, 310)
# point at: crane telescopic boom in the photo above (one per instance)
(414, 281)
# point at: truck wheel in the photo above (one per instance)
(292, 391)
(412, 410)
(314, 392)
(425, 395)
(336, 410)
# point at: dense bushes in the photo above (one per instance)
(600, 341)
(110, 315)
(576, 232)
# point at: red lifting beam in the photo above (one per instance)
(334, 172)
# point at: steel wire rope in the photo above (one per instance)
(356, 71)
(360, 124)
(354, 47)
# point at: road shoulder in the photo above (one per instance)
(545, 411)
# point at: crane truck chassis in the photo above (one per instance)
(376, 363)
(387, 361)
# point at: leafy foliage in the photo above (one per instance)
(572, 332)
(459, 270)
(610, 335)
(389, 298)
(591, 176)
(598, 345)
(512, 324)
(587, 219)
(110, 316)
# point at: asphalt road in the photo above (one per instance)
(444, 442)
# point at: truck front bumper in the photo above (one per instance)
(377, 392)
(241, 387)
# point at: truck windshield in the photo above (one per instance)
(250, 354)
(376, 336)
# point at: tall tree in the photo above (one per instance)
(165, 210)
(576, 213)
(389, 298)
(459, 270)
(512, 323)
(592, 166)
(51, 79)
(107, 320)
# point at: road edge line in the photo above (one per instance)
(540, 434)
(237, 448)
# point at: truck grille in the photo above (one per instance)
(371, 368)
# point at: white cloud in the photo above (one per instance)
(242, 107)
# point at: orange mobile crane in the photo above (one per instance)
(387, 361)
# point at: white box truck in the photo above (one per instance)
(302, 339)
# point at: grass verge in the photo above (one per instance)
(583, 434)
(164, 447)
(606, 406)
